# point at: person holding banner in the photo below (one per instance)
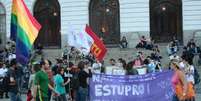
(183, 90)
(96, 66)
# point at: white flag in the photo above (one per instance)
(84, 41)
(72, 37)
(79, 39)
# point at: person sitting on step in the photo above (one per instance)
(123, 42)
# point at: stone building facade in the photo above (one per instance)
(110, 19)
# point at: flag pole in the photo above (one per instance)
(68, 64)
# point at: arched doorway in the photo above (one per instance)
(47, 12)
(104, 19)
(166, 20)
(2, 24)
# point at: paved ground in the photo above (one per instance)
(198, 98)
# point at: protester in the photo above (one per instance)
(112, 62)
(49, 72)
(191, 42)
(187, 55)
(156, 54)
(142, 43)
(130, 70)
(172, 48)
(183, 90)
(123, 42)
(3, 87)
(19, 76)
(151, 67)
(96, 67)
(74, 70)
(123, 62)
(174, 57)
(83, 86)
(13, 91)
(60, 85)
(175, 41)
(137, 62)
(194, 49)
(42, 83)
(119, 63)
(189, 71)
(59, 63)
(65, 52)
(35, 68)
(91, 58)
(73, 53)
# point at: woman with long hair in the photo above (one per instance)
(182, 89)
(60, 85)
(83, 85)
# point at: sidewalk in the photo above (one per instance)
(198, 98)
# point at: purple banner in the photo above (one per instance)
(150, 87)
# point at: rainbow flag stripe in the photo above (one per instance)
(24, 30)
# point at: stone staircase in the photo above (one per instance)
(52, 54)
(128, 54)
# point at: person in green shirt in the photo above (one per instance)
(42, 83)
(60, 85)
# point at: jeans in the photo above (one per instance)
(82, 94)
(14, 96)
(62, 97)
(174, 98)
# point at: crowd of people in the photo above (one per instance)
(68, 78)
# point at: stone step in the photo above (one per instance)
(128, 54)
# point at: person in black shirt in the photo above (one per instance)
(83, 86)
(13, 85)
(123, 42)
(191, 42)
(187, 55)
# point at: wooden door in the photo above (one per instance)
(47, 12)
(104, 20)
(166, 20)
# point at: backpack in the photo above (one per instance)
(196, 76)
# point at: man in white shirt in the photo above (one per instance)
(190, 74)
(11, 56)
(3, 69)
(96, 67)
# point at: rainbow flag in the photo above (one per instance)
(24, 30)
